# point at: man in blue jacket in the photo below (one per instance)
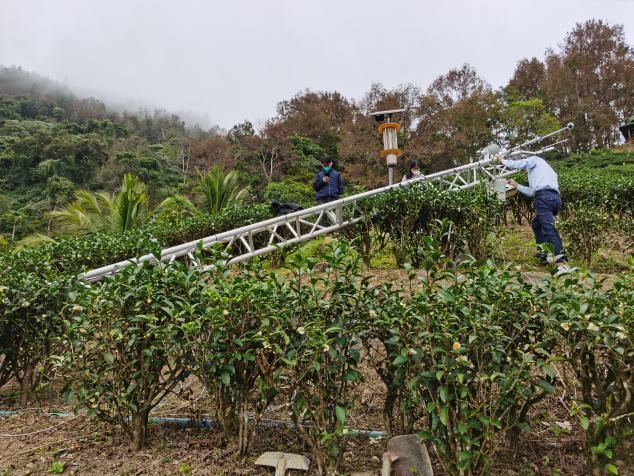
(328, 183)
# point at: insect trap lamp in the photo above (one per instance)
(389, 129)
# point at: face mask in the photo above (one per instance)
(327, 168)
(416, 173)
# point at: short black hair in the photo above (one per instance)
(325, 159)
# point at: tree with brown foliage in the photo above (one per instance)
(318, 115)
(590, 81)
(528, 80)
(213, 150)
(458, 115)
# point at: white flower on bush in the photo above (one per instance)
(464, 360)
(621, 335)
(592, 327)
(26, 304)
(225, 312)
(326, 348)
(372, 313)
(565, 326)
(77, 308)
(411, 351)
(301, 330)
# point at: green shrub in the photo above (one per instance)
(585, 228)
(409, 214)
(290, 191)
(611, 188)
(596, 335)
(29, 326)
(474, 352)
(126, 342)
(231, 347)
(323, 354)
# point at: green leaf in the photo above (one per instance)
(444, 415)
(225, 378)
(585, 423)
(353, 376)
(549, 370)
(443, 394)
(340, 413)
(108, 357)
(610, 468)
(464, 459)
(401, 359)
(130, 388)
(546, 386)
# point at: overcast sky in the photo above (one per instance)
(234, 60)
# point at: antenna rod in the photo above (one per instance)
(570, 126)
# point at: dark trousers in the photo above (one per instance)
(321, 201)
(547, 205)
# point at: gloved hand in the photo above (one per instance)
(499, 158)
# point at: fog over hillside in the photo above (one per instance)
(230, 61)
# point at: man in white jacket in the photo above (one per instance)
(544, 186)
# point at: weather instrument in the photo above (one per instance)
(389, 129)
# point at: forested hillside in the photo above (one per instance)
(54, 144)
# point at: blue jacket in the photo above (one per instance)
(330, 190)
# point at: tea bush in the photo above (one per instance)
(29, 326)
(477, 356)
(126, 344)
(611, 188)
(38, 279)
(406, 215)
(237, 345)
(72, 255)
(596, 335)
(323, 357)
(199, 227)
(290, 191)
(585, 228)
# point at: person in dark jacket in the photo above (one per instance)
(328, 183)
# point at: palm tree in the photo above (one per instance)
(89, 212)
(176, 207)
(130, 205)
(216, 190)
(219, 190)
(101, 211)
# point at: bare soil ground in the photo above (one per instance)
(32, 441)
